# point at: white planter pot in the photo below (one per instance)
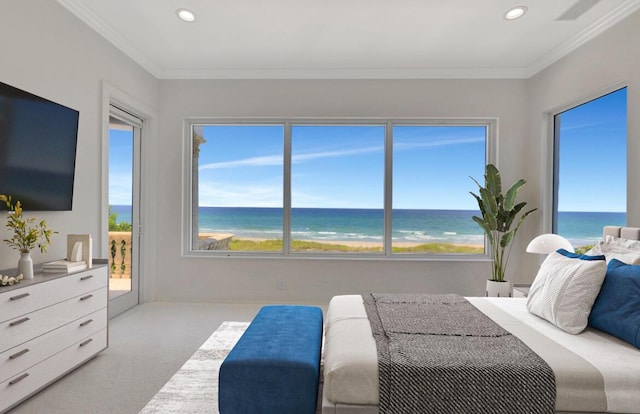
(498, 289)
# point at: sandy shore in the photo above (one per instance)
(349, 243)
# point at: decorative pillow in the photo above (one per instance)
(626, 243)
(617, 308)
(627, 251)
(565, 288)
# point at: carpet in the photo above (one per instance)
(194, 388)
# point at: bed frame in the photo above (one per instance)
(328, 407)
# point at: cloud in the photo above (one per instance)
(247, 162)
(120, 188)
(611, 124)
(295, 159)
(275, 160)
(231, 195)
(439, 143)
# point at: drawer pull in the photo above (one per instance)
(17, 380)
(87, 322)
(87, 277)
(86, 342)
(24, 295)
(89, 296)
(17, 354)
(19, 321)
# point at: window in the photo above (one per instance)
(237, 186)
(431, 184)
(337, 188)
(590, 170)
(357, 187)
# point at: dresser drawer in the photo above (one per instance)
(18, 302)
(26, 355)
(26, 327)
(25, 383)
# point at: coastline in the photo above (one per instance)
(347, 243)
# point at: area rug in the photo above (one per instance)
(194, 388)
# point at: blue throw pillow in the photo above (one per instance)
(572, 255)
(617, 307)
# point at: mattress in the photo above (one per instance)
(595, 372)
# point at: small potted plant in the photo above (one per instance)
(499, 213)
(27, 235)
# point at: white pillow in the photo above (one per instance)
(565, 289)
(627, 251)
(619, 241)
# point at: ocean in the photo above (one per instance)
(415, 226)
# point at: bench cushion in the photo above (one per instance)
(275, 366)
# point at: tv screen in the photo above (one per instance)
(37, 150)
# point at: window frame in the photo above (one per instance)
(491, 145)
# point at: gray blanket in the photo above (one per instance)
(439, 354)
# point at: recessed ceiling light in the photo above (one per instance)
(516, 13)
(186, 15)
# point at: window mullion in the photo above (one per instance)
(388, 187)
(286, 202)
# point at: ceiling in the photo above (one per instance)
(351, 39)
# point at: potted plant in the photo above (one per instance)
(27, 235)
(499, 213)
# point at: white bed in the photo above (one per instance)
(595, 372)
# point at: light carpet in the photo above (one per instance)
(194, 388)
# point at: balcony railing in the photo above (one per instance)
(119, 255)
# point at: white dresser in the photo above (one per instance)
(50, 325)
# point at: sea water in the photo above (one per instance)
(414, 226)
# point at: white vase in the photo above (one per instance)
(25, 265)
(498, 289)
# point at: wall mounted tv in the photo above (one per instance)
(38, 141)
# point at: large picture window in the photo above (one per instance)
(590, 169)
(380, 188)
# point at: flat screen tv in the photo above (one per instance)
(38, 141)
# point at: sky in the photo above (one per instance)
(593, 167)
(342, 166)
(120, 166)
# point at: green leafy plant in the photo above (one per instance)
(499, 212)
(27, 234)
(113, 222)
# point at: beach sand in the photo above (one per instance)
(348, 243)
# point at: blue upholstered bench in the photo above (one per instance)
(275, 366)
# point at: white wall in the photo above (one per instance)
(47, 51)
(247, 279)
(611, 59)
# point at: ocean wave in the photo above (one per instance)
(400, 236)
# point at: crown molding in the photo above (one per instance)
(87, 16)
(96, 23)
(347, 73)
(599, 26)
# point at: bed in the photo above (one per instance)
(594, 371)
